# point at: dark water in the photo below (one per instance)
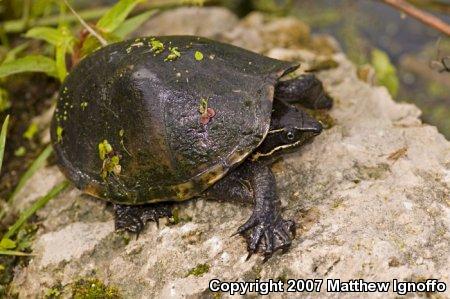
(415, 49)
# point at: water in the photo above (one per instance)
(414, 48)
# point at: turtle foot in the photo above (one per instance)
(266, 233)
(323, 102)
(133, 218)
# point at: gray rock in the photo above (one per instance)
(189, 20)
(370, 195)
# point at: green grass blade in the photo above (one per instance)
(15, 253)
(30, 63)
(11, 55)
(116, 15)
(15, 26)
(133, 23)
(41, 202)
(35, 166)
(3, 140)
(50, 35)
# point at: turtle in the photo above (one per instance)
(152, 121)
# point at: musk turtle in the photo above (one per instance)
(150, 121)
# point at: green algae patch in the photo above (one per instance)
(199, 270)
(104, 148)
(206, 113)
(156, 46)
(203, 107)
(198, 55)
(121, 135)
(111, 161)
(111, 165)
(93, 288)
(54, 292)
(59, 132)
(178, 217)
(173, 54)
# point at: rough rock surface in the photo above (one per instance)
(371, 197)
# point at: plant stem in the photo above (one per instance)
(422, 16)
(86, 26)
(3, 139)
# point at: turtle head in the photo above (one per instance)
(289, 128)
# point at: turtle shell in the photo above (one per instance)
(163, 118)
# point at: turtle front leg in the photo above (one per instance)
(265, 230)
(133, 218)
(266, 226)
(306, 90)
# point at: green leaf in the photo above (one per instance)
(4, 100)
(31, 63)
(133, 23)
(40, 7)
(61, 67)
(62, 39)
(385, 71)
(20, 151)
(3, 139)
(91, 44)
(51, 35)
(41, 202)
(31, 131)
(35, 166)
(116, 15)
(11, 55)
(7, 243)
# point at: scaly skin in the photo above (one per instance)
(306, 90)
(254, 182)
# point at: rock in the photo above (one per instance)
(370, 195)
(191, 21)
(65, 245)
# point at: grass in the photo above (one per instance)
(6, 244)
(41, 202)
(35, 166)
(3, 139)
(14, 253)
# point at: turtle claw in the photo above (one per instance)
(133, 218)
(267, 233)
(128, 222)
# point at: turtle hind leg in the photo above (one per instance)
(133, 218)
(306, 90)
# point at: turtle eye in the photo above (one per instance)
(290, 135)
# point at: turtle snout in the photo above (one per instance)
(311, 125)
(316, 127)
